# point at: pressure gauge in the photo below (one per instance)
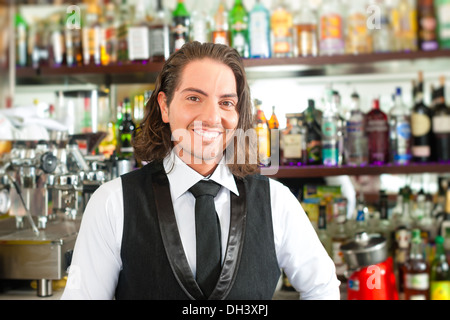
(5, 201)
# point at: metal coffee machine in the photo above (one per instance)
(371, 272)
(44, 188)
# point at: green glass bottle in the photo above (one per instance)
(21, 40)
(126, 129)
(443, 13)
(238, 22)
(440, 273)
(180, 26)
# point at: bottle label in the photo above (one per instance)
(404, 130)
(259, 39)
(440, 290)
(159, 38)
(444, 21)
(377, 126)
(138, 39)
(421, 151)
(420, 124)
(441, 124)
(417, 281)
(331, 27)
(329, 129)
(292, 146)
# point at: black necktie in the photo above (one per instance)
(207, 231)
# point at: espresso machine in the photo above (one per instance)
(44, 188)
(370, 269)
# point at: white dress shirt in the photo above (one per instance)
(96, 261)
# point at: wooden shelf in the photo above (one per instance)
(134, 72)
(324, 171)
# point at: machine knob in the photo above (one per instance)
(48, 162)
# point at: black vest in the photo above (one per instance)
(153, 259)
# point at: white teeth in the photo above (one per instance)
(207, 134)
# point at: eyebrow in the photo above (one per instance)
(227, 95)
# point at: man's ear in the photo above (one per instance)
(162, 100)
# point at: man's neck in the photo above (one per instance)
(205, 168)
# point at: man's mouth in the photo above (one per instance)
(208, 134)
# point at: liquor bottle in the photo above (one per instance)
(313, 135)
(384, 225)
(138, 108)
(355, 138)
(340, 127)
(382, 36)
(421, 126)
(238, 23)
(262, 135)
(73, 44)
(444, 228)
(443, 23)
(138, 35)
(361, 213)
(331, 29)
(358, 36)
(159, 34)
(427, 23)
(91, 35)
(400, 131)
(274, 136)
(339, 236)
(122, 32)
(440, 273)
(109, 42)
(219, 28)
(126, 129)
(86, 123)
(282, 30)
(57, 50)
(441, 123)
(292, 140)
(200, 23)
(322, 231)
(329, 128)
(306, 31)
(404, 22)
(109, 144)
(259, 31)
(180, 26)
(21, 30)
(416, 271)
(377, 130)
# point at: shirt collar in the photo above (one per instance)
(182, 177)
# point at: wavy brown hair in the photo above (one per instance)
(153, 142)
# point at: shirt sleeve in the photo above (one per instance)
(96, 262)
(300, 253)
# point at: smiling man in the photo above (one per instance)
(190, 225)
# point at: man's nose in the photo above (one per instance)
(211, 113)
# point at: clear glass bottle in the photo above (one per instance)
(259, 31)
(404, 21)
(238, 23)
(331, 28)
(159, 34)
(138, 35)
(322, 231)
(200, 23)
(109, 42)
(329, 126)
(416, 271)
(220, 29)
(382, 35)
(306, 31)
(281, 23)
(122, 32)
(91, 35)
(400, 131)
(358, 36)
(355, 138)
(21, 30)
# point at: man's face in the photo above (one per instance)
(203, 113)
